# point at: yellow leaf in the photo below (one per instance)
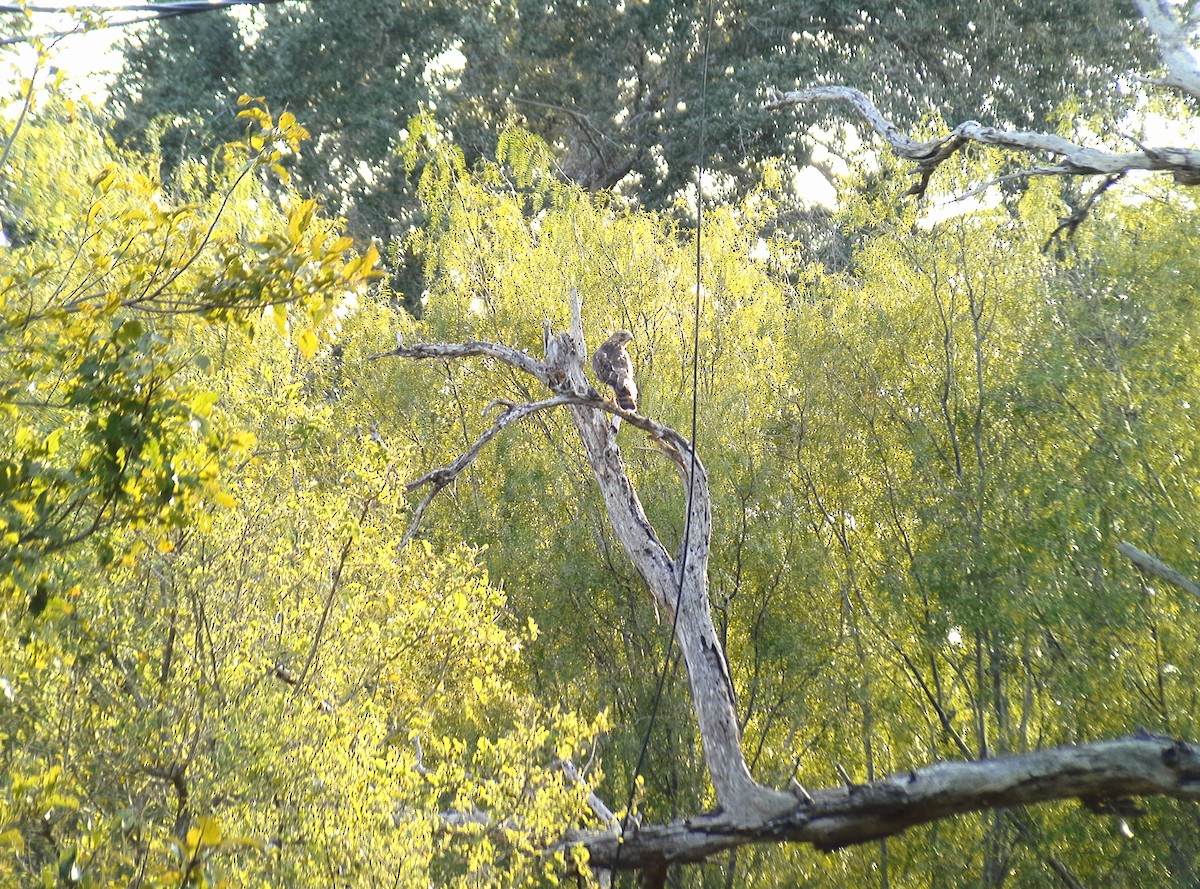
(13, 839)
(242, 440)
(307, 343)
(202, 403)
(206, 833)
(223, 498)
(166, 545)
(279, 313)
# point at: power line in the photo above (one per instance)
(172, 7)
(140, 12)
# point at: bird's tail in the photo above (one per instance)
(626, 400)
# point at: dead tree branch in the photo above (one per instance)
(1068, 158)
(1097, 773)
(1173, 29)
(1158, 568)
(1102, 775)
(680, 580)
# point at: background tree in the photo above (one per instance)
(185, 95)
(615, 88)
(922, 462)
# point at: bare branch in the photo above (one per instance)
(843, 816)
(507, 354)
(1102, 775)
(673, 582)
(1158, 568)
(1071, 159)
(1070, 222)
(446, 474)
(1178, 56)
(442, 477)
(599, 809)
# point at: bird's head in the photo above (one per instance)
(621, 337)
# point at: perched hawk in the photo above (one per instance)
(614, 367)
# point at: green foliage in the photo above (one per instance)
(190, 69)
(616, 89)
(107, 418)
(922, 469)
(216, 668)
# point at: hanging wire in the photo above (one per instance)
(130, 14)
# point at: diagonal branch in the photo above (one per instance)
(1158, 568)
(1070, 159)
(441, 478)
(1176, 48)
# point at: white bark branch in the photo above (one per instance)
(1173, 45)
(1069, 159)
(1101, 775)
(681, 580)
(597, 805)
(439, 479)
(507, 354)
(1159, 568)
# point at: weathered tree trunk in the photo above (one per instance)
(682, 580)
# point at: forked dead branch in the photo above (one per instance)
(1103, 775)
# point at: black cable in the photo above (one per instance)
(687, 528)
(170, 7)
(156, 12)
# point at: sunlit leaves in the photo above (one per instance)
(922, 466)
(217, 666)
(101, 290)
